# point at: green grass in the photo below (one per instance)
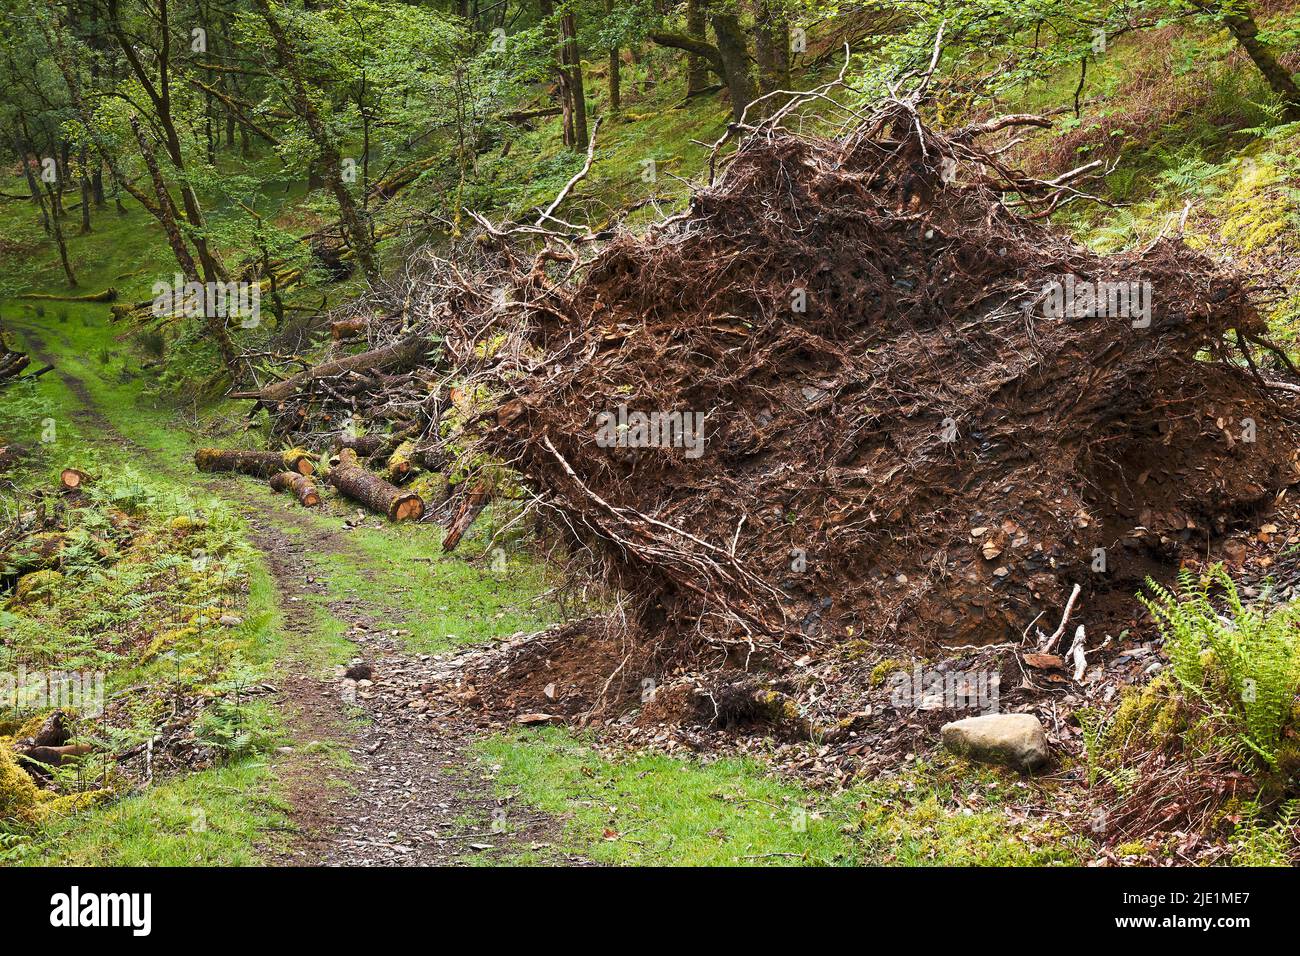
(654, 810)
(210, 818)
(444, 601)
(663, 811)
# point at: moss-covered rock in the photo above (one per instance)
(38, 584)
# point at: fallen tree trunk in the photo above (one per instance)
(259, 464)
(52, 756)
(41, 551)
(298, 485)
(466, 514)
(53, 732)
(108, 295)
(399, 463)
(353, 481)
(403, 353)
(12, 364)
(363, 445)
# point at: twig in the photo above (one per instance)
(1065, 618)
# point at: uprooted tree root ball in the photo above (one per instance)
(910, 427)
(897, 439)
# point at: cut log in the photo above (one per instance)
(54, 732)
(399, 462)
(363, 445)
(72, 479)
(470, 508)
(299, 486)
(49, 745)
(36, 552)
(373, 492)
(348, 328)
(108, 295)
(259, 464)
(12, 364)
(401, 354)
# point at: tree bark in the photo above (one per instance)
(729, 58)
(697, 72)
(734, 54)
(35, 188)
(298, 485)
(73, 479)
(771, 47)
(571, 57)
(166, 209)
(615, 65)
(159, 95)
(400, 354)
(87, 194)
(470, 508)
(353, 481)
(259, 464)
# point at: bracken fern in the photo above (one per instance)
(1241, 660)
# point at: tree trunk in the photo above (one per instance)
(729, 58)
(87, 195)
(35, 188)
(57, 225)
(72, 479)
(331, 162)
(771, 47)
(734, 54)
(167, 215)
(571, 57)
(298, 485)
(159, 94)
(470, 507)
(259, 464)
(400, 354)
(615, 64)
(353, 481)
(697, 70)
(1241, 24)
(166, 209)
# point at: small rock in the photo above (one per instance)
(1016, 740)
(530, 719)
(231, 620)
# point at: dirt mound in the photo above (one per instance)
(902, 433)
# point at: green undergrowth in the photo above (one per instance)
(652, 809)
(1228, 698)
(1210, 157)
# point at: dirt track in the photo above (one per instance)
(370, 783)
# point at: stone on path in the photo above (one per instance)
(1015, 740)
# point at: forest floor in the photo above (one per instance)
(369, 782)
